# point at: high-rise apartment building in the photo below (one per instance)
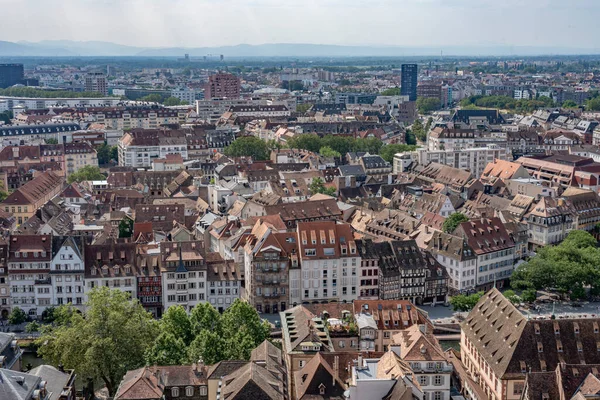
(96, 82)
(408, 81)
(10, 74)
(223, 85)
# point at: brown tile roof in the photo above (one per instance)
(39, 187)
(252, 381)
(417, 343)
(317, 372)
(140, 384)
(305, 210)
(399, 314)
(486, 235)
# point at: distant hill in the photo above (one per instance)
(98, 48)
(90, 48)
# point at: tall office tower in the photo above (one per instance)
(96, 82)
(408, 81)
(11, 74)
(222, 85)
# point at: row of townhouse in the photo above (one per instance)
(41, 271)
(320, 261)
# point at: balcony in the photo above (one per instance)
(271, 295)
(46, 281)
(271, 282)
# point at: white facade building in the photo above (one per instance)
(66, 273)
(183, 272)
(329, 263)
(471, 159)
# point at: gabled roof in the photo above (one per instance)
(252, 381)
(315, 373)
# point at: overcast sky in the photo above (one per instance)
(190, 23)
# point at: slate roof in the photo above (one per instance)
(19, 130)
(11, 389)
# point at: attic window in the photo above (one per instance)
(576, 328)
(556, 329)
(540, 347)
(537, 329)
(595, 327)
(559, 346)
(321, 389)
(523, 366)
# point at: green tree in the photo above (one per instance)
(452, 222)
(48, 315)
(318, 186)
(3, 193)
(512, 296)
(5, 117)
(391, 92)
(242, 317)
(303, 108)
(87, 173)
(167, 350)
(103, 154)
(248, 146)
(388, 151)
(17, 316)
(463, 302)
(305, 141)
(409, 138)
(176, 322)
(126, 227)
(110, 339)
(428, 124)
(593, 104)
(152, 98)
(327, 151)
(51, 141)
(208, 346)
(569, 104)
(173, 101)
(114, 153)
(568, 267)
(529, 295)
(31, 327)
(426, 105)
(205, 316)
(419, 130)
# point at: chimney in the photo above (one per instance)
(439, 242)
(336, 369)
(360, 361)
(427, 229)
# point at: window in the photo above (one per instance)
(437, 396)
(175, 392)
(437, 380)
(423, 380)
(203, 391)
(301, 363)
(189, 391)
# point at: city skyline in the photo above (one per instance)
(412, 23)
